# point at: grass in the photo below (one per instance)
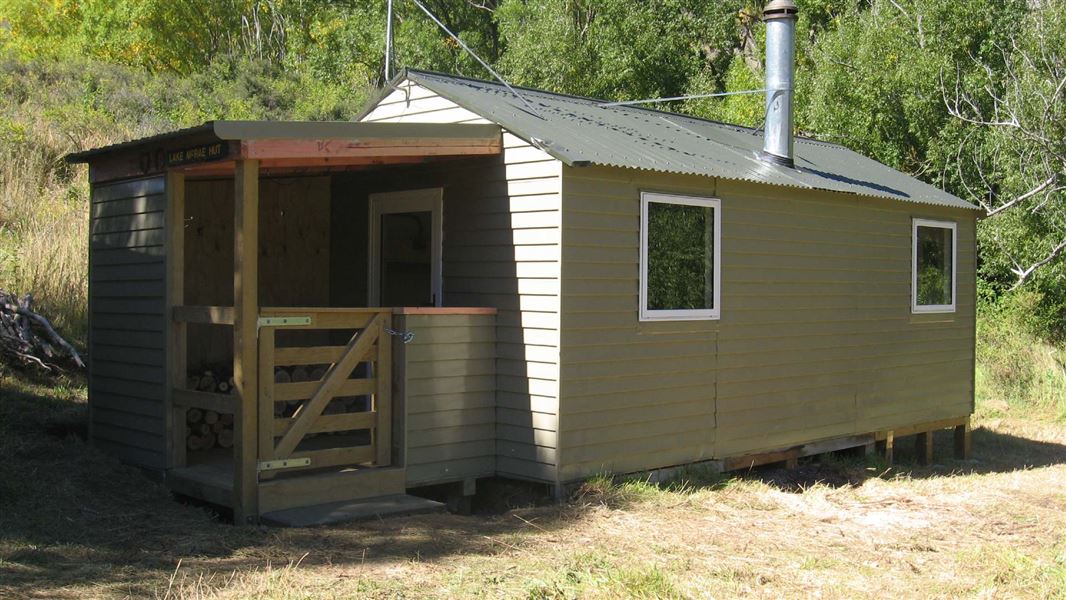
(1017, 372)
(49, 109)
(76, 524)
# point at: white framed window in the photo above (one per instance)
(680, 257)
(934, 263)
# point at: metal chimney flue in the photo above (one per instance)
(780, 17)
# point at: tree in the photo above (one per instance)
(1012, 157)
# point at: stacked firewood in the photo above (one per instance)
(300, 374)
(216, 380)
(27, 339)
(206, 429)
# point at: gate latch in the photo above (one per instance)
(288, 463)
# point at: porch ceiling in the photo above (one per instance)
(213, 148)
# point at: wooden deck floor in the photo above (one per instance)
(210, 480)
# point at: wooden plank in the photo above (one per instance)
(176, 333)
(266, 394)
(136, 188)
(382, 434)
(304, 390)
(754, 460)
(324, 319)
(210, 315)
(327, 423)
(187, 483)
(962, 440)
(223, 403)
(350, 484)
(308, 355)
(443, 310)
(926, 426)
(132, 205)
(337, 457)
(338, 161)
(333, 381)
(887, 446)
(245, 364)
(369, 147)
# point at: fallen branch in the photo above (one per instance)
(27, 339)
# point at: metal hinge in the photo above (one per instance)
(288, 463)
(282, 321)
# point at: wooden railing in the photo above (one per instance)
(339, 412)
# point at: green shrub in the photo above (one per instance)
(1016, 369)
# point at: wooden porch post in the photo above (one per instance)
(245, 351)
(176, 331)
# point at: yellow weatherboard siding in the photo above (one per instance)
(448, 382)
(502, 250)
(816, 338)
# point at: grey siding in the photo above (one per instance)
(502, 249)
(449, 389)
(127, 277)
(816, 338)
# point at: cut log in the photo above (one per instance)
(194, 416)
(225, 438)
(300, 374)
(210, 417)
(207, 382)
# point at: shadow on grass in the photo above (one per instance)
(993, 452)
(72, 516)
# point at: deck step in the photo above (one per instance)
(357, 510)
(302, 490)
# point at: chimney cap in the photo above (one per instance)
(779, 9)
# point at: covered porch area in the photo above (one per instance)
(305, 306)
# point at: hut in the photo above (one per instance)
(469, 281)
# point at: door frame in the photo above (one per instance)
(421, 200)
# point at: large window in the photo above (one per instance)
(933, 266)
(680, 242)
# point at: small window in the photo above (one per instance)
(680, 241)
(933, 266)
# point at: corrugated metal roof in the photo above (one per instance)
(257, 130)
(578, 131)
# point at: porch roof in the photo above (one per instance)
(212, 148)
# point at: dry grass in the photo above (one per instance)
(75, 524)
(44, 213)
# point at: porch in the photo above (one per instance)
(295, 293)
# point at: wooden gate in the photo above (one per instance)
(324, 405)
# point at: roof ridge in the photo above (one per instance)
(799, 138)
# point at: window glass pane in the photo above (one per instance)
(680, 256)
(935, 263)
(406, 273)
